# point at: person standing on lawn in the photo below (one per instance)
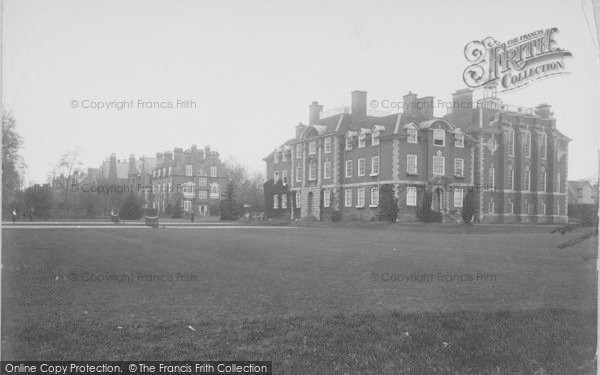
(14, 215)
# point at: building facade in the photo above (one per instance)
(190, 181)
(515, 162)
(345, 161)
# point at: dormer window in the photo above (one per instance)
(188, 170)
(375, 139)
(348, 143)
(362, 140)
(459, 140)
(439, 137)
(412, 136)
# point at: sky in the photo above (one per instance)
(252, 68)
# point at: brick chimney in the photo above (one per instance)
(178, 153)
(425, 106)
(132, 169)
(543, 110)
(462, 101)
(112, 167)
(359, 105)
(314, 113)
(159, 158)
(410, 103)
(168, 157)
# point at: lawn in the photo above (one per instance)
(312, 300)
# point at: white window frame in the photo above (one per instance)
(284, 201)
(213, 171)
(527, 179)
(312, 148)
(276, 157)
(511, 206)
(375, 166)
(491, 207)
(312, 171)
(327, 145)
(374, 196)
(492, 178)
(413, 136)
(349, 167)
(275, 202)
(326, 198)
(187, 205)
(511, 142)
(189, 170)
(459, 140)
(276, 176)
(375, 139)
(348, 198)
(348, 143)
(299, 151)
(327, 169)
(410, 165)
(510, 184)
(439, 135)
(362, 167)
(360, 197)
(411, 196)
(457, 168)
(528, 144)
(284, 176)
(299, 173)
(203, 194)
(543, 177)
(544, 145)
(284, 156)
(362, 140)
(458, 197)
(437, 162)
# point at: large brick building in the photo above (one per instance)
(190, 180)
(343, 162)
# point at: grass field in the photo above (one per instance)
(312, 300)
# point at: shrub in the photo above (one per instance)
(432, 217)
(131, 210)
(468, 207)
(336, 216)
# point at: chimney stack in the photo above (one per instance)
(314, 113)
(425, 106)
(359, 105)
(168, 156)
(410, 102)
(177, 153)
(462, 100)
(112, 168)
(159, 158)
(132, 170)
(543, 110)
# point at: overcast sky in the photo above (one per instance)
(253, 67)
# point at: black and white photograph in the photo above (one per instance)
(299, 187)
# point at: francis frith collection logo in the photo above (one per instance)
(514, 63)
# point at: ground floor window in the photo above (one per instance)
(458, 197)
(374, 196)
(411, 196)
(491, 207)
(275, 202)
(187, 206)
(348, 198)
(326, 198)
(510, 207)
(298, 200)
(284, 201)
(361, 198)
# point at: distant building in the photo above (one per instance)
(582, 192)
(140, 177)
(191, 180)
